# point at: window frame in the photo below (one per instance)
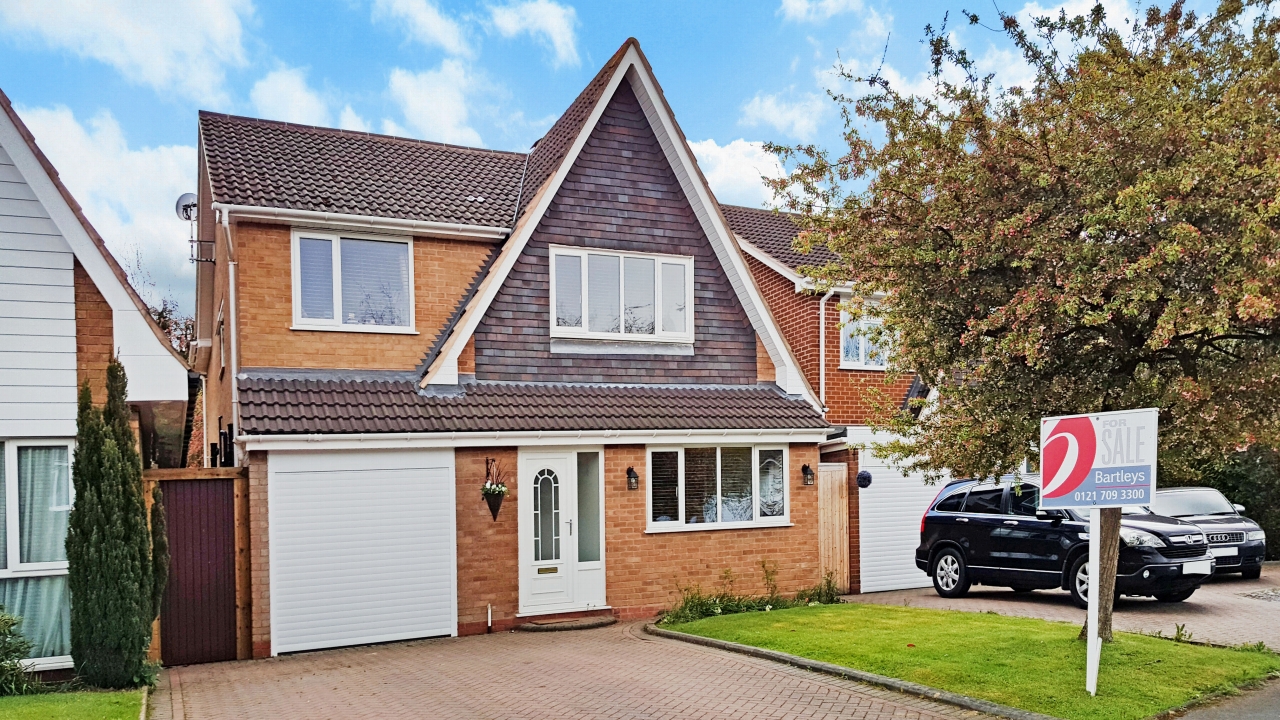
(679, 525)
(335, 324)
(659, 335)
(847, 323)
(15, 568)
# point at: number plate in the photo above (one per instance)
(1225, 551)
(1202, 567)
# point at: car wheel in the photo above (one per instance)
(950, 576)
(1175, 597)
(1079, 581)
(1251, 573)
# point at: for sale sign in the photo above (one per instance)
(1098, 460)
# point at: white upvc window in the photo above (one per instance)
(352, 283)
(608, 295)
(859, 348)
(709, 488)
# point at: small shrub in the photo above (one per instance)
(14, 648)
(824, 593)
(695, 603)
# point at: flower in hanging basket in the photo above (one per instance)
(495, 479)
(493, 488)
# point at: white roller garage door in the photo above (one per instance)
(363, 547)
(889, 515)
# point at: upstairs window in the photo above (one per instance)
(860, 349)
(361, 284)
(599, 294)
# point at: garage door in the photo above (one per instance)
(363, 548)
(889, 515)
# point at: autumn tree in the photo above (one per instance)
(1105, 237)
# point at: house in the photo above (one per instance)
(66, 307)
(843, 365)
(385, 324)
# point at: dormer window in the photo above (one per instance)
(607, 295)
(356, 284)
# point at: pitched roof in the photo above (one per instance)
(264, 163)
(773, 232)
(281, 402)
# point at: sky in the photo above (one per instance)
(111, 90)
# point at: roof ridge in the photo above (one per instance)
(353, 133)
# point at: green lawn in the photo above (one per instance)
(1030, 664)
(73, 706)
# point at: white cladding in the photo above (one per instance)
(363, 547)
(889, 515)
(37, 315)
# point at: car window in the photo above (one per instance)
(1182, 503)
(952, 502)
(1025, 501)
(984, 501)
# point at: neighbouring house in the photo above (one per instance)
(66, 307)
(843, 365)
(385, 324)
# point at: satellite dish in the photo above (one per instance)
(186, 207)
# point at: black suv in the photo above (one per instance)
(991, 533)
(1237, 542)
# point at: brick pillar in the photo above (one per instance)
(259, 556)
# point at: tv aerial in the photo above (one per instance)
(187, 208)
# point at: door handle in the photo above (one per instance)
(1010, 522)
(570, 527)
(962, 519)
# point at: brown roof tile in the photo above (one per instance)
(278, 402)
(773, 232)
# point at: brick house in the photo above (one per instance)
(843, 366)
(66, 307)
(388, 323)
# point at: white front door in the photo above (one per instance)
(561, 507)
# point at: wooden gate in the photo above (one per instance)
(199, 620)
(833, 523)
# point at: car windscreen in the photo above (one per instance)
(1191, 502)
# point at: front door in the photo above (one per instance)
(561, 538)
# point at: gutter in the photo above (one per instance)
(456, 231)
(822, 350)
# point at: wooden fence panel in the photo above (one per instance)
(833, 523)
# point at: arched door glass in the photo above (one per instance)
(546, 516)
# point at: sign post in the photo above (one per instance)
(1097, 461)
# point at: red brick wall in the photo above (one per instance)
(259, 556)
(849, 458)
(847, 397)
(95, 338)
(645, 571)
(488, 550)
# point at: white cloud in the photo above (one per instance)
(424, 22)
(815, 10)
(349, 120)
(181, 46)
(283, 94)
(734, 170)
(128, 194)
(549, 21)
(435, 102)
(799, 119)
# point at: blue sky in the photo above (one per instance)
(111, 90)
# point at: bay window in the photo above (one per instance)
(860, 348)
(693, 488)
(35, 505)
(362, 284)
(601, 294)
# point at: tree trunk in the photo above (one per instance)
(1108, 563)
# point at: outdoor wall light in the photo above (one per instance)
(633, 479)
(807, 472)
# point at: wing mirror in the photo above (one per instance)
(1238, 508)
(1055, 515)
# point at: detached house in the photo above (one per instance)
(386, 324)
(843, 365)
(66, 308)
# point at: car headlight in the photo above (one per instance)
(1256, 535)
(1139, 538)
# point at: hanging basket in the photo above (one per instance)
(494, 502)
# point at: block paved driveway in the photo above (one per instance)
(1220, 612)
(613, 672)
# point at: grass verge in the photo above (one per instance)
(1030, 664)
(84, 705)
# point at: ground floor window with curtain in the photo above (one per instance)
(715, 487)
(35, 504)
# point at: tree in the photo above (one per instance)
(109, 544)
(1105, 238)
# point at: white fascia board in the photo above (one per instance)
(444, 371)
(383, 441)
(155, 374)
(455, 231)
(770, 262)
(722, 240)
